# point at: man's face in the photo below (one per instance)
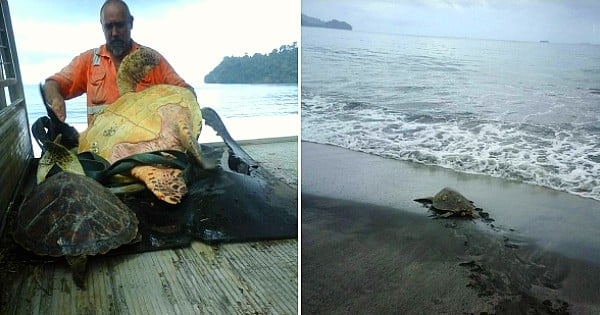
(116, 25)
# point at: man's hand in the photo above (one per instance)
(55, 99)
(58, 106)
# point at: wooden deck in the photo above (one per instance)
(245, 278)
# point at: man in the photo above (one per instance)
(94, 72)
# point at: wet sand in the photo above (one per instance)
(367, 247)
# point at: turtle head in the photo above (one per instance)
(135, 67)
(57, 158)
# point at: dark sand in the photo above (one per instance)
(368, 248)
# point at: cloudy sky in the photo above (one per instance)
(566, 21)
(194, 35)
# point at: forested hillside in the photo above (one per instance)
(279, 66)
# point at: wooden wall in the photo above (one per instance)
(15, 154)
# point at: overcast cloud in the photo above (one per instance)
(194, 35)
(566, 21)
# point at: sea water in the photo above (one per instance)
(523, 111)
(249, 111)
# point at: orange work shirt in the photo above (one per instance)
(93, 72)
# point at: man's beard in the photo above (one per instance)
(118, 47)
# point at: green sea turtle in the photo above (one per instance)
(161, 117)
(71, 215)
(451, 202)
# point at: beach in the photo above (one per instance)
(367, 247)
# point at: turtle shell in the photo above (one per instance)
(160, 117)
(70, 214)
(450, 200)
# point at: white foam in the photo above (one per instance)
(549, 155)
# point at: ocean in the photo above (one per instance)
(522, 111)
(249, 111)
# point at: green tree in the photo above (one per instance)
(279, 66)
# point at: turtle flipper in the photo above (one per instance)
(426, 200)
(50, 128)
(447, 214)
(57, 155)
(192, 145)
(166, 184)
(472, 214)
(239, 160)
(135, 67)
(78, 266)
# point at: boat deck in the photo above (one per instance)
(242, 278)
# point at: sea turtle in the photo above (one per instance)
(451, 202)
(161, 117)
(71, 215)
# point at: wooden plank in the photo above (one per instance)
(16, 154)
(245, 278)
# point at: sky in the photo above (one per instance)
(193, 35)
(564, 21)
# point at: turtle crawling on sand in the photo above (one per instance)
(161, 117)
(451, 203)
(71, 215)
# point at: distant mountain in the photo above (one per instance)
(314, 22)
(280, 66)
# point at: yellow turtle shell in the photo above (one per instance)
(160, 117)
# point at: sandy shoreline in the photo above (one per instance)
(367, 247)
